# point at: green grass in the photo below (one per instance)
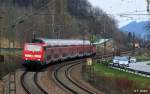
(110, 72)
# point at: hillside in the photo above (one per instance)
(125, 7)
(75, 19)
(139, 28)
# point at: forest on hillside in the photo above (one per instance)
(21, 20)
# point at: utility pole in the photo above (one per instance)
(0, 42)
(12, 42)
(0, 34)
(53, 21)
(148, 8)
(1, 57)
(133, 42)
(104, 35)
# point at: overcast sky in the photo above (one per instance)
(117, 7)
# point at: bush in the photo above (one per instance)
(105, 62)
(9, 65)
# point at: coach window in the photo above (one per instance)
(72, 53)
(80, 52)
(52, 51)
(56, 55)
(59, 49)
(48, 57)
(64, 54)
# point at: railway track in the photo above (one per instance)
(62, 77)
(30, 84)
(12, 83)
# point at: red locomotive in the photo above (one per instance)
(43, 51)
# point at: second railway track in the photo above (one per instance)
(62, 77)
(30, 84)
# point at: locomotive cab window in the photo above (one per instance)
(33, 48)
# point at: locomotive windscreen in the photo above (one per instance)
(33, 48)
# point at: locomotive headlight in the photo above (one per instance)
(38, 59)
(37, 56)
(28, 55)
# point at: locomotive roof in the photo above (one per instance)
(63, 42)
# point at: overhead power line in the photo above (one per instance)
(148, 5)
(133, 14)
(21, 19)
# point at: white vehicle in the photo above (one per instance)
(120, 61)
(116, 60)
(127, 57)
(132, 60)
(124, 62)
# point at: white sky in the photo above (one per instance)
(117, 7)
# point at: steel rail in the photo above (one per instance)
(71, 80)
(12, 82)
(57, 79)
(23, 83)
(35, 81)
(68, 78)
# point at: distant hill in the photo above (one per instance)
(139, 28)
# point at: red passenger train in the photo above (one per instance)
(43, 51)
